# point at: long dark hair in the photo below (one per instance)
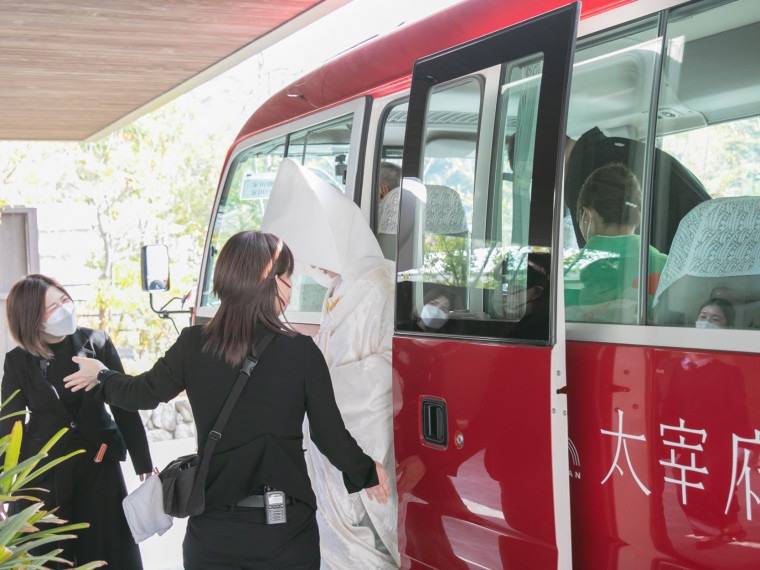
(25, 310)
(244, 282)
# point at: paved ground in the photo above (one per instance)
(162, 552)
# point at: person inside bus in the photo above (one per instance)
(333, 244)
(716, 314)
(675, 185)
(388, 178)
(601, 281)
(435, 312)
(261, 447)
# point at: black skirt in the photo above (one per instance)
(221, 539)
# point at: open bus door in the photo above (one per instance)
(480, 417)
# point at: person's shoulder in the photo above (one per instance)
(96, 336)
(194, 331)
(658, 258)
(296, 340)
(192, 335)
(377, 281)
(301, 345)
(16, 354)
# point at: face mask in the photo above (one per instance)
(62, 321)
(319, 276)
(706, 325)
(433, 317)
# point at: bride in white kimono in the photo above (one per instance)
(332, 243)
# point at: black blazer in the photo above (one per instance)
(92, 425)
(262, 443)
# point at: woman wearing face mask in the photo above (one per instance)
(261, 448)
(609, 213)
(88, 487)
(435, 310)
(716, 314)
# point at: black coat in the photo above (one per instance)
(81, 489)
(93, 425)
(262, 443)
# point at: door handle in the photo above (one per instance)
(434, 422)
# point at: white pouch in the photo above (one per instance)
(144, 509)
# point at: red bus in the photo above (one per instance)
(591, 398)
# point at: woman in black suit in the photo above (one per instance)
(261, 446)
(88, 487)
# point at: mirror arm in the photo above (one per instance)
(163, 313)
(166, 314)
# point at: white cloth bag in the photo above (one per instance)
(144, 509)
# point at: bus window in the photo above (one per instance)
(478, 274)
(388, 176)
(324, 149)
(608, 123)
(243, 201)
(448, 163)
(709, 120)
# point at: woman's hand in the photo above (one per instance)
(87, 377)
(144, 476)
(381, 492)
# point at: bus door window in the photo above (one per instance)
(476, 257)
(446, 194)
(243, 200)
(604, 183)
(388, 177)
(323, 149)
(709, 120)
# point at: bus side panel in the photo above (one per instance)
(487, 503)
(664, 457)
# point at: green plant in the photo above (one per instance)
(20, 533)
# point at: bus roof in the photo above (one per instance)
(384, 65)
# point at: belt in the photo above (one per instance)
(257, 501)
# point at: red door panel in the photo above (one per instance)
(497, 398)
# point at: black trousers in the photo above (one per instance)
(221, 539)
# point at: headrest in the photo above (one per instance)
(717, 238)
(444, 213)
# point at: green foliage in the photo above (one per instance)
(725, 157)
(33, 527)
(446, 260)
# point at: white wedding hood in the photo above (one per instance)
(320, 224)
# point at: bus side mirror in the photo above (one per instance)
(154, 268)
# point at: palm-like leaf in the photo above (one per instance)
(21, 533)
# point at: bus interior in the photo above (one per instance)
(670, 109)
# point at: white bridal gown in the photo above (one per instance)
(325, 229)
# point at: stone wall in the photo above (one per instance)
(171, 420)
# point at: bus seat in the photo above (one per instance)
(387, 222)
(716, 249)
(444, 214)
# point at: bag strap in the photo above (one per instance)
(216, 433)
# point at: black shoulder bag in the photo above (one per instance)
(183, 481)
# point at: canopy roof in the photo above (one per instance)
(79, 69)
